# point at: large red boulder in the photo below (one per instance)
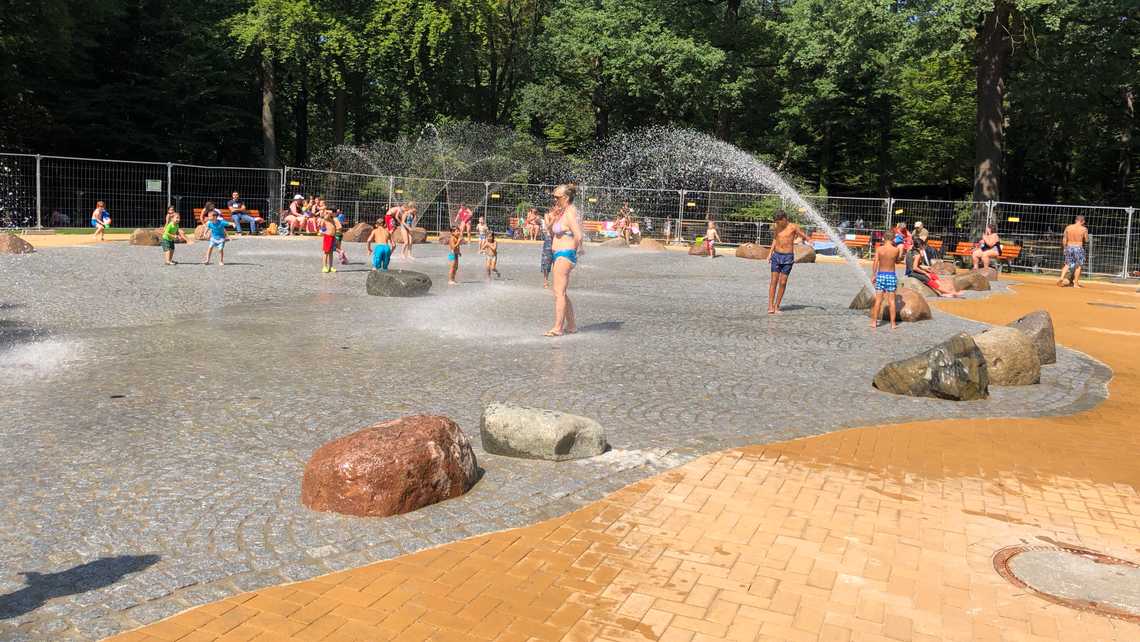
(391, 468)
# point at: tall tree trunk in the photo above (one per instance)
(601, 106)
(1124, 167)
(340, 110)
(724, 111)
(824, 159)
(360, 116)
(301, 122)
(268, 128)
(886, 173)
(992, 58)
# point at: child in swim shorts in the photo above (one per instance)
(453, 255)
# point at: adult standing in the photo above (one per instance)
(463, 223)
(100, 220)
(567, 232)
(989, 247)
(1073, 244)
(239, 213)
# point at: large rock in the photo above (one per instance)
(391, 468)
(943, 268)
(972, 281)
(863, 300)
(698, 249)
(991, 274)
(753, 251)
(954, 369)
(201, 233)
(532, 433)
(804, 253)
(419, 235)
(911, 283)
(651, 245)
(615, 242)
(1038, 326)
(358, 233)
(444, 238)
(1011, 357)
(12, 244)
(910, 306)
(146, 237)
(398, 283)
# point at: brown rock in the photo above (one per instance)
(1038, 326)
(943, 268)
(444, 238)
(863, 300)
(1011, 357)
(972, 281)
(391, 468)
(419, 235)
(615, 242)
(12, 244)
(651, 245)
(954, 369)
(990, 273)
(753, 251)
(146, 237)
(910, 306)
(804, 253)
(358, 233)
(201, 233)
(911, 283)
(698, 249)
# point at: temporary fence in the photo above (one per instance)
(54, 191)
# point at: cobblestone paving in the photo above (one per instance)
(156, 420)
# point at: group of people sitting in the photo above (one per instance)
(303, 216)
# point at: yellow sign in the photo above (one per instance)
(1014, 219)
(691, 203)
(593, 199)
(495, 196)
(399, 191)
(294, 183)
(899, 211)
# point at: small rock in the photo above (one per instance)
(1038, 326)
(146, 237)
(1011, 356)
(615, 242)
(358, 233)
(651, 245)
(804, 253)
(954, 369)
(391, 468)
(943, 268)
(398, 283)
(533, 433)
(12, 244)
(971, 281)
(753, 251)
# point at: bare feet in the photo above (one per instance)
(771, 310)
(1077, 285)
(874, 324)
(221, 264)
(552, 333)
(452, 283)
(894, 327)
(1060, 283)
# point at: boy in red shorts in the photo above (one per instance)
(328, 242)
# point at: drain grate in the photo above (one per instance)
(1074, 577)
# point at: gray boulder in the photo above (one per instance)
(358, 233)
(12, 244)
(954, 369)
(991, 273)
(146, 237)
(651, 245)
(1011, 357)
(533, 433)
(972, 281)
(804, 253)
(943, 268)
(1038, 326)
(398, 283)
(911, 283)
(864, 300)
(754, 252)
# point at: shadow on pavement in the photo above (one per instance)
(42, 587)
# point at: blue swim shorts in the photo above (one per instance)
(782, 262)
(886, 282)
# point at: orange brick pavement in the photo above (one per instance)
(883, 533)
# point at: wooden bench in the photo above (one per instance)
(1009, 252)
(934, 244)
(227, 214)
(853, 241)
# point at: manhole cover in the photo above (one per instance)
(1074, 577)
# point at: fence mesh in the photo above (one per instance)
(56, 191)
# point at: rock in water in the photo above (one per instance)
(1038, 326)
(400, 283)
(651, 245)
(201, 233)
(698, 249)
(12, 244)
(146, 237)
(804, 253)
(972, 281)
(1011, 356)
(911, 283)
(990, 273)
(943, 268)
(419, 235)
(753, 251)
(954, 369)
(358, 233)
(391, 468)
(615, 242)
(864, 300)
(532, 433)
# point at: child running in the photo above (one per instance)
(327, 229)
(783, 258)
(170, 233)
(382, 255)
(453, 245)
(217, 228)
(886, 281)
(492, 249)
(712, 237)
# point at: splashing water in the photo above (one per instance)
(36, 359)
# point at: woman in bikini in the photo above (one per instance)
(567, 244)
(988, 248)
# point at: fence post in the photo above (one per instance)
(282, 196)
(1127, 242)
(391, 188)
(990, 212)
(890, 202)
(356, 212)
(39, 194)
(169, 180)
(680, 216)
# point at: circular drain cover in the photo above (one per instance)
(1074, 577)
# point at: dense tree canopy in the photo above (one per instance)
(1022, 99)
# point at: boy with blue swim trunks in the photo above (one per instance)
(782, 258)
(216, 226)
(887, 254)
(453, 254)
(382, 255)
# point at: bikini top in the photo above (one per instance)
(559, 231)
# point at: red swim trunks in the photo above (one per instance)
(328, 243)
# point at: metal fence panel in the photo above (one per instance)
(17, 191)
(193, 185)
(362, 197)
(849, 215)
(1038, 229)
(135, 193)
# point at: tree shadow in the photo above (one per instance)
(42, 587)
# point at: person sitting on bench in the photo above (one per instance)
(238, 213)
